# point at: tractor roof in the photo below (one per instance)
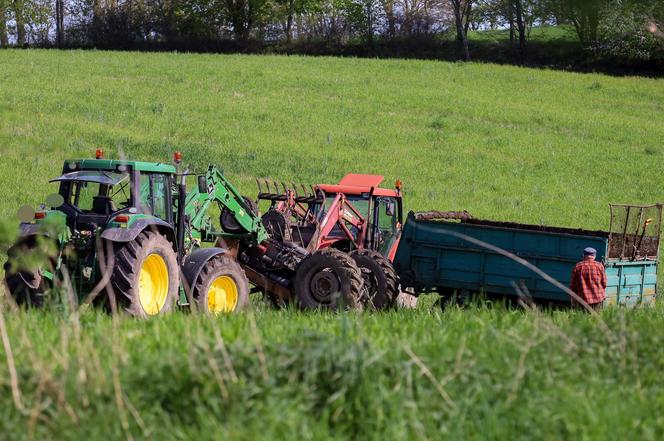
(355, 184)
(99, 176)
(353, 179)
(113, 164)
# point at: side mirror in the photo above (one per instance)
(202, 184)
(390, 209)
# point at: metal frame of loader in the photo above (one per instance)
(135, 253)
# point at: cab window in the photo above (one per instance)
(92, 197)
(154, 195)
(387, 214)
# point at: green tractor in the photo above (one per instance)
(132, 235)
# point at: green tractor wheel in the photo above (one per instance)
(146, 276)
(221, 287)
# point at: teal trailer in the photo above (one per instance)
(466, 255)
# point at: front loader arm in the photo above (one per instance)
(214, 187)
(341, 214)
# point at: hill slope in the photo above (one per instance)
(502, 142)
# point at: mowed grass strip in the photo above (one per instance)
(503, 142)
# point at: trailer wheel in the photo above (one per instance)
(328, 279)
(381, 286)
(227, 219)
(221, 287)
(146, 276)
(27, 285)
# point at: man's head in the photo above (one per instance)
(589, 253)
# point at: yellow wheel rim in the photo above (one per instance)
(222, 296)
(153, 284)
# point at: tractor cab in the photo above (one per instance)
(379, 211)
(96, 193)
(356, 213)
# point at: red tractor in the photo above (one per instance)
(356, 216)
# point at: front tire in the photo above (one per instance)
(328, 279)
(381, 286)
(146, 277)
(221, 287)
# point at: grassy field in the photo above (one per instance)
(504, 143)
(537, 34)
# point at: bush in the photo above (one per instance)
(627, 34)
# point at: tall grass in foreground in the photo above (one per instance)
(480, 373)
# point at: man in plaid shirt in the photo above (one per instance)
(589, 280)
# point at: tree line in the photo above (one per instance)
(624, 28)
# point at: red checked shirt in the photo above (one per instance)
(589, 281)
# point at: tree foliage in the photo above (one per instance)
(618, 28)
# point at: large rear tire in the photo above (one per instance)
(328, 279)
(381, 285)
(146, 276)
(221, 287)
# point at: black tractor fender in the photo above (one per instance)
(124, 235)
(26, 230)
(194, 263)
(29, 234)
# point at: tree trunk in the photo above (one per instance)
(96, 13)
(456, 4)
(391, 21)
(59, 23)
(469, 5)
(20, 23)
(585, 18)
(370, 24)
(250, 20)
(510, 17)
(289, 24)
(407, 25)
(4, 38)
(593, 24)
(521, 27)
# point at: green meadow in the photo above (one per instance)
(504, 143)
